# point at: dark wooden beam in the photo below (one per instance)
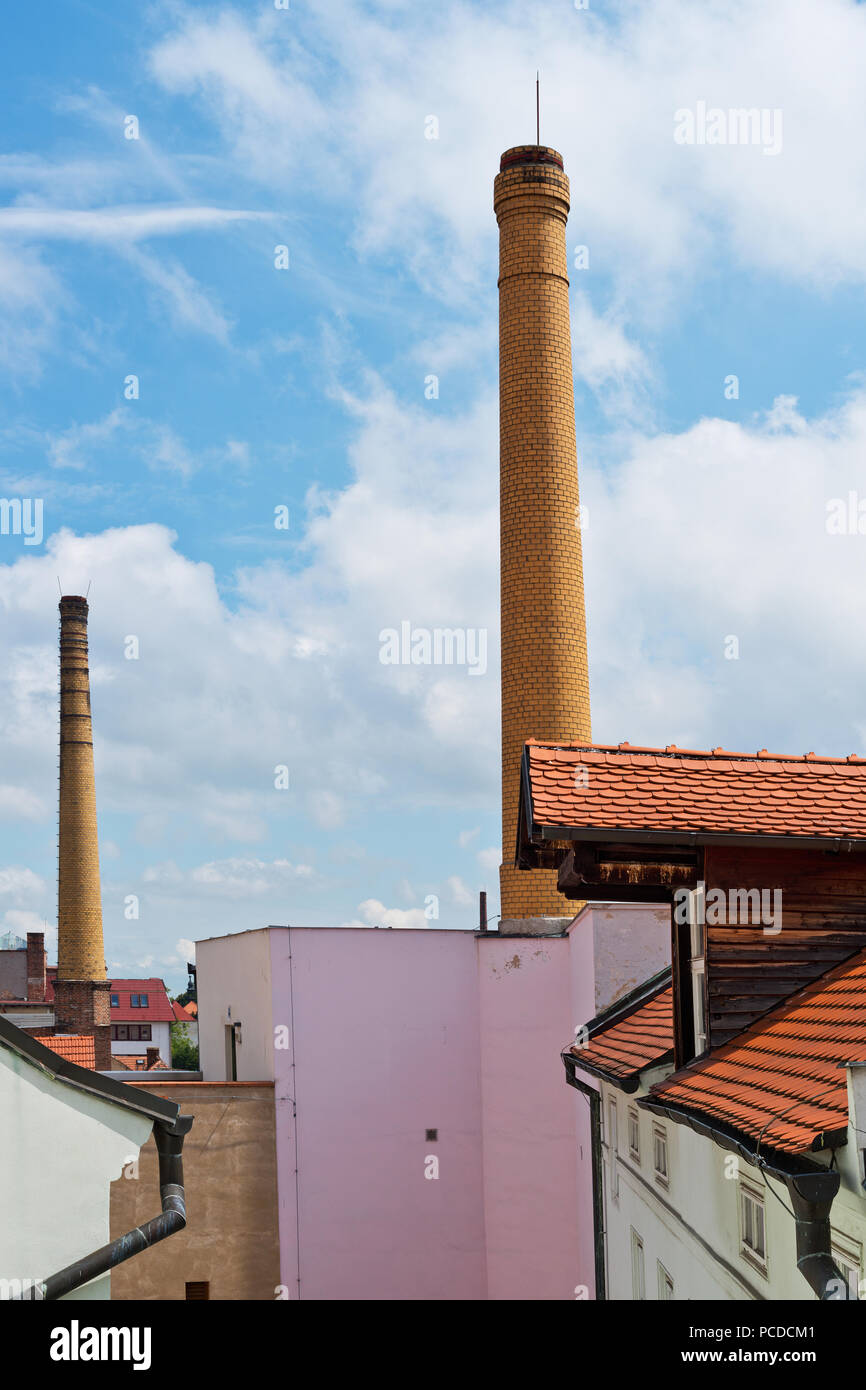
(599, 873)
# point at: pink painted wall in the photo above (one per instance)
(391, 1033)
(386, 1037)
(532, 1197)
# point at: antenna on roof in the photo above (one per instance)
(60, 586)
(537, 108)
(89, 582)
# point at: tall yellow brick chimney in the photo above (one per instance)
(545, 681)
(81, 1003)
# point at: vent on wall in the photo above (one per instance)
(431, 1135)
(197, 1291)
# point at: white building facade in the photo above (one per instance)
(686, 1219)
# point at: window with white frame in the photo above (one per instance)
(634, 1133)
(638, 1278)
(666, 1284)
(848, 1257)
(753, 1232)
(698, 938)
(660, 1155)
(612, 1146)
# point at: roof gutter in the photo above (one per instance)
(834, 844)
(169, 1146)
(811, 1189)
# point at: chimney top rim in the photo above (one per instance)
(530, 154)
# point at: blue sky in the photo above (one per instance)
(304, 388)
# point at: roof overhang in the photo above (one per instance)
(616, 1013)
(783, 1165)
(541, 845)
(82, 1079)
(629, 1084)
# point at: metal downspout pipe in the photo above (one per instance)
(811, 1199)
(169, 1145)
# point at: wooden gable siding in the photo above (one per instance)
(748, 970)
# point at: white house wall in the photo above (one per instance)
(59, 1151)
(160, 1036)
(692, 1228)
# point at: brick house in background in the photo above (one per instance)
(141, 1013)
(22, 967)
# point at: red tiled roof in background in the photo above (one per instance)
(780, 1080)
(181, 1015)
(641, 1039)
(73, 1047)
(673, 789)
(128, 1061)
(158, 1009)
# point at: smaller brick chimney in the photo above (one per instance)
(81, 990)
(36, 967)
(152, 1057)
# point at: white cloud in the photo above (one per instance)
(651, 210)
(490, 859)
(114, 225)
(21, 885)
(467, 836)
(70, 448)
(459, 892)
(30, 297)
(721, 532)
(21, 921)
(233, 877)
(19, 803)
(190, 306)
(328, 809)
(376, 914)
(613, 366)
(156, 445)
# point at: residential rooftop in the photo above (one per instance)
(588, 790)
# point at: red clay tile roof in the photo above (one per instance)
(181, 1014)
(780, 1080)
(74, 1047)
(128, 1061)
(158, 1009)
(640, 1040)
(716, 792)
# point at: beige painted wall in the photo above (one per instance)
(235, 972)
(229, 1161)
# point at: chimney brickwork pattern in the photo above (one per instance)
(36, 966)
(545, 681)
(81, 990)
(80, 951)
